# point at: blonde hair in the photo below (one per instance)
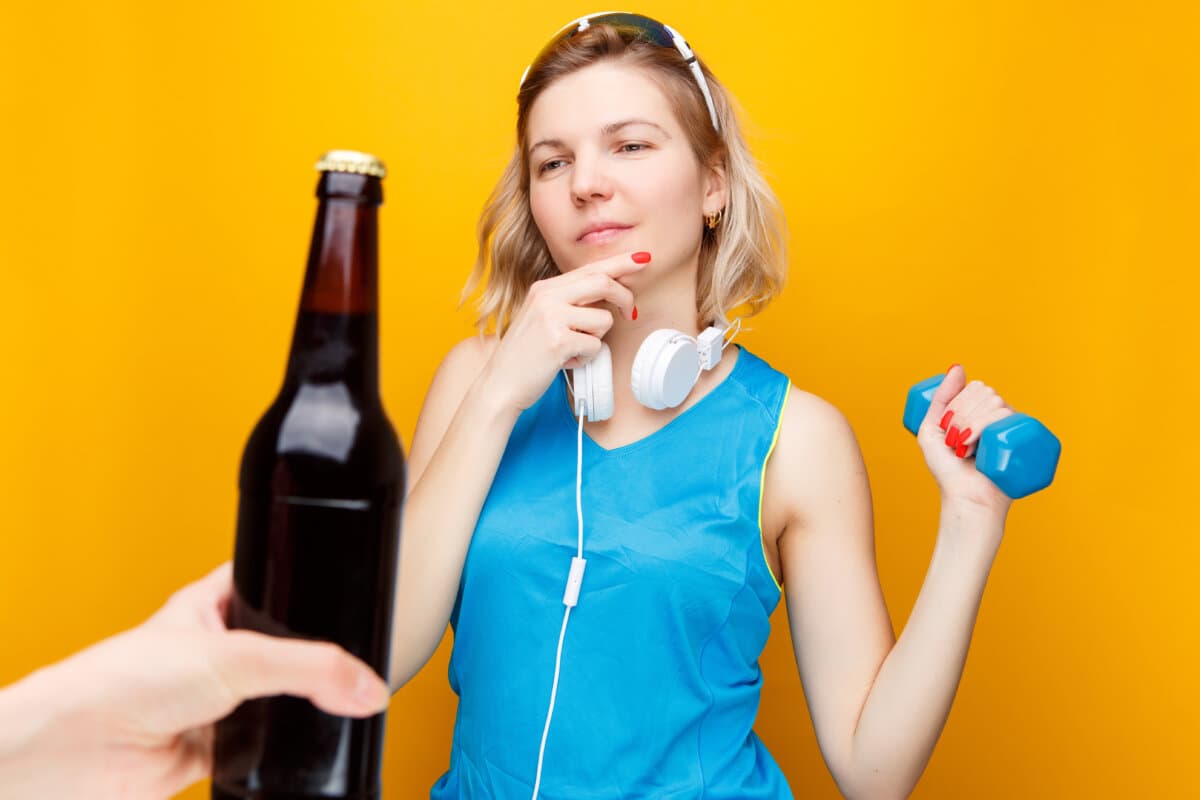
(743, 261)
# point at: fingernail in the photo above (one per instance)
(641, 257)
(635, 312)
(945, 420)
(952, 366)
(952, 436)
(961, 449)
(368, 691)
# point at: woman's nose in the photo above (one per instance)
(589, 179)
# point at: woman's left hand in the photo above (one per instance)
(949, 435)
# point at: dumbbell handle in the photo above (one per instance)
(1018, 453)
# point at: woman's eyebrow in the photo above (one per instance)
(607, 130)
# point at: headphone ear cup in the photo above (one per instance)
(593, 387)
(643, 365)
(665, 369)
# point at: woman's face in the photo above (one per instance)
(605, 147)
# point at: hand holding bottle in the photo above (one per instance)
(555, 328)
(132, 716)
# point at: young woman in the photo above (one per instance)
(632, 205)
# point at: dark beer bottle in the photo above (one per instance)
(318, 531)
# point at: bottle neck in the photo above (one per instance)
(336, 335)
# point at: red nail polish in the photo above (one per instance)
(641, 257)
(945, 420)
(952, 436)
(635, 312)
(960, 444)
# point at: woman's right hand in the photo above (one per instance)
(556, 328)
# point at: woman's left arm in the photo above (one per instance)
(879, 704)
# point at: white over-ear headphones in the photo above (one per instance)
(664, 371)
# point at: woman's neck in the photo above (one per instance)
(666, 304)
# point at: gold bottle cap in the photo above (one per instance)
(352, 161)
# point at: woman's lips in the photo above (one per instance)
(600, 237)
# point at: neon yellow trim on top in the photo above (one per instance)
(762, 484)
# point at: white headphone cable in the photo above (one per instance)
(570, 599)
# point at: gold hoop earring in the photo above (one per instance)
(712, 221)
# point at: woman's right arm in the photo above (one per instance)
(461, 434)
(475, 399)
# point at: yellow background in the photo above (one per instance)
(1011, 185)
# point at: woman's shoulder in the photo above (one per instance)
(808, 420)
(452, 379)
(805, 411)
(475, 348)
(463, 362)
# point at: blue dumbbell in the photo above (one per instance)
(1018, 453)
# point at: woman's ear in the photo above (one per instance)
(716, 188)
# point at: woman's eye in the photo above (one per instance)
(549, 165)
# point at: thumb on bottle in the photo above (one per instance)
(257, 665)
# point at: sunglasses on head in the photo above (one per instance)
(643, 28)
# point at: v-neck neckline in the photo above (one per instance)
(566, 413)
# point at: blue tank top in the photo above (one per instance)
(659, 684)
